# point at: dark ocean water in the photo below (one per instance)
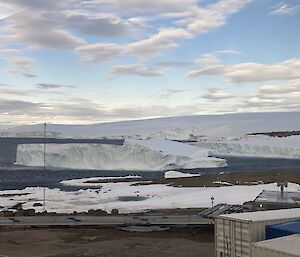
(18, 177)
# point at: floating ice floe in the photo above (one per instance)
(178, 174)
(88, 182)
(224, 183)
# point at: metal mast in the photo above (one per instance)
(44, 195)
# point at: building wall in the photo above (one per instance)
(259, 206)
(233, 238)
(262, 252)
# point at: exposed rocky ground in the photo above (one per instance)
(92, 242)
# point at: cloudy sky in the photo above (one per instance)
(87, 61)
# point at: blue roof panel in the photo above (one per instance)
(283, 229)
(293, 226)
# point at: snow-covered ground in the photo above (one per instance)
(157, 196)
(187, 127)
(259, 146)
(151, 155)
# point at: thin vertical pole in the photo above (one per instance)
(45, 135)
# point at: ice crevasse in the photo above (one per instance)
(154, 154)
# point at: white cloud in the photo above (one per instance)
(291, 87)
(171, 64)
(165, 39)
(134, 69)
(6, 16)
(76, 110)
(210, 70)
(21, 64)
(138, 21)
(36, 31)
(16, 62)
(215, 15)
(212, 59)
(99, 52)
(217, 94)
(29, 75)
(46, 86)
(140, 6)
(194, 22)
(45, 24)
(14, 92)
(284, 96)
(40, 4)
(285, 9)
(252, 72)
(97, 24)
(17, 107)
(208, 60)
(8, 52)
(173, 91)
(229, 51)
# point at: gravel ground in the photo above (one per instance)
(88, 242)
(238, 178)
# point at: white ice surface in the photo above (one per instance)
(177, 174)
(156, 154)
(220, 134)
(258, 146)
(186, 127)
(158, 197)
(224, 183)
(172, 147)
(94, 181)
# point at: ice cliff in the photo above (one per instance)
(132, 155)
(256, 146)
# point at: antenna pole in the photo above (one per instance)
(44, 194)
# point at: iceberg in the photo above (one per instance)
(142, 155)
(177, 174)
(254, 146)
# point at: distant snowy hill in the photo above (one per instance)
(185, 127)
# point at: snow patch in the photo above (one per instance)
(156, 196)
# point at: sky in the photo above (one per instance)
(89, 61)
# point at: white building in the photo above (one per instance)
(234, 233)
(288, 246)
